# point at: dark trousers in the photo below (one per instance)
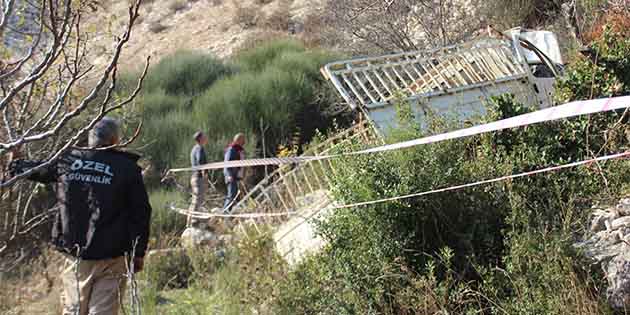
(232, 191)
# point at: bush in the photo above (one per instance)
(186, 73)
(256, 59)
(514, 236)
(277, 84)
(166, 223)
(524, 227)
(237, 282)
(170, 270)
(544, 275)
(167, 139)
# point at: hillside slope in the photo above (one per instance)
(217, 26)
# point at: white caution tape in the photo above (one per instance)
(206, 215)
(549, 114)
(489, 181)
(250, 162)
(452, 188)
(572, 109)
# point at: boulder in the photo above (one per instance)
(608, 246)
(618, 276)
(598, 224)
(620, 223)
(193, 237)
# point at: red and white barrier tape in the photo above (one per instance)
(204, 215)
(250, 162)
(209, 215)
(488, 181)
(452, 188)
(572, 109)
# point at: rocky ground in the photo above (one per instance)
(204, 25)
(608, 245)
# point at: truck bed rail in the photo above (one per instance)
(372, 82)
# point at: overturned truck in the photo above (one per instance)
(456, 79)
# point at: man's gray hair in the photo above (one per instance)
(104, 133)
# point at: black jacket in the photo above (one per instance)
(103, 204)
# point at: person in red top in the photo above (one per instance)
(233, 175)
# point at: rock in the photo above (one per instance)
(609, 247)
(598, 224)
(606, 238)
(618, 274)
(624, 207)
(193, 236)
(619, 223)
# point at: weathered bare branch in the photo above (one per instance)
(89, 98)
(400, 25)
(126, 143)
(81, 133)
(40, 102)
(6, 14)
(59, 41)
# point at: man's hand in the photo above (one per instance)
(19, 166)
(230, 179)
(138, 264)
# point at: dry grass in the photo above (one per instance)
(254, 40)
(278, 20)
(157, 27)
(246, 16)
(177, 5)
(33, 287)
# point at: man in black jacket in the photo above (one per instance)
(104, 216)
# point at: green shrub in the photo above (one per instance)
(167, 139)
(278, 85)
(524, 227)
(186, 73)
(281, 88)
(159, 103)
(258, 58)
(168, 270)
(544, 275)
(240, 282)
(242, 101)
(165, 223)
